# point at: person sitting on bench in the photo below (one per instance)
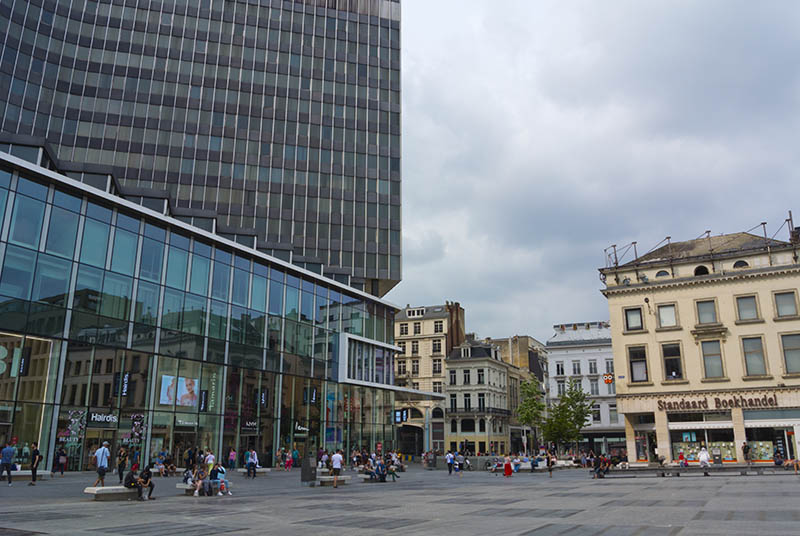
(778, 459)
(146, 481)
(391, 471)
(380, 471)
(132, 482)
(217, 477)
(201, 481)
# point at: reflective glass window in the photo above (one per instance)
(3, 200)
(292, 302)
(177, 264)
(199, 279)
(194, 314)
(51, 283)
(152, 260)
(62, 232)
(241, 284)
(146, 310)
(123, 256)
(88, 288)
(18, 269)
(172, 310)
(259, 293)
(219, 286)
(218, 320)
(117, 290)
(275, 298)
(67, 201)
(95, 243)
(26, 221)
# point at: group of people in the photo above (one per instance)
(286, 458)
(456, 461)
(7, 455)
(205, 479)
(143, 483)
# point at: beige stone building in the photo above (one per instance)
(477, 397)
(529, 359)
(426, 335)
(706, 344)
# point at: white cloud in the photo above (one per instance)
(538, 133)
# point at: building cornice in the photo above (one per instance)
(712, 279)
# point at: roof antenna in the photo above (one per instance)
(766, 241)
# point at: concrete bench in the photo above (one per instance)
(328, 480)
(25, 474)
(323, 470)
(111, 493)
(259, 471)
(190, 488)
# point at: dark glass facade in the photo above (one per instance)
(120, 324)
(273, 123)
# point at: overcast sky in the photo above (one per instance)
(538, 133)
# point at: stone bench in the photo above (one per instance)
(259, 471)
(328, 480)
(190, 488)
(26, 474)
(111, 493)
(365, 478)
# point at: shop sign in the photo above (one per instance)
(765, 401)
(249, 426)
(299, 429)
(102, 419)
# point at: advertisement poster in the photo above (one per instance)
(182, 391)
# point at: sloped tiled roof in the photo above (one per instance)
(699, 247)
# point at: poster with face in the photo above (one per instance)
(188, 391)
(180, 390)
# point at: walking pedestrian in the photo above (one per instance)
(122, 462)
(336, 463)
(61, 461)
(6, 460)
(101, 457)
(210, 460)
(507, 471)
(703, 458)
(551, 461)
(449, 459)
(459, 464)
(232, 459)
(746, 452)
(36, 458)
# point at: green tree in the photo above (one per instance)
(566, 418)
(531, 409)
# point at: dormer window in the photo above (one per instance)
(701, 270)
(465, 351)
(741, 264)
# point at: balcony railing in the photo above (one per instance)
(477, 410)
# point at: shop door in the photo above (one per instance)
(651, 447)
(183, 440)
(790, 444)
(94, 440)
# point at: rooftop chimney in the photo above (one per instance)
(794, 235)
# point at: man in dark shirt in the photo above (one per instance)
(132, 482)
(146, 481)
(36, 458)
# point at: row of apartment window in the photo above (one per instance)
(594, 387)
(576, 367)
(713, 359)
(438, 327)
(467, 377)
(467, 397)
(436, 347)
(468, 425)
(785, 306)
(402, 369)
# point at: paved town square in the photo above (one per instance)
(420, 502)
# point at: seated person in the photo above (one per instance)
(217, 477)
(380, 471)
(369, 469)
(132, 482)
(162, 470)
(146, 481)
(391, 470)
(188, 475)
(778, 459)
(169, 465)
(201, 481)
(515, 463)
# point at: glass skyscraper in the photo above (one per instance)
(273, 123)
(199, 209)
